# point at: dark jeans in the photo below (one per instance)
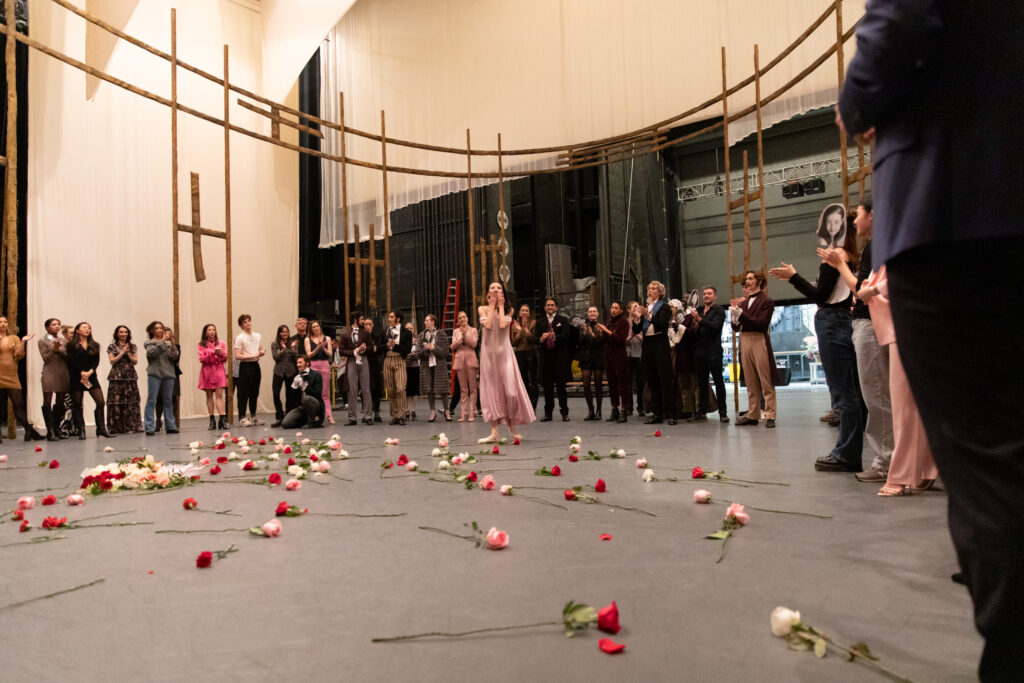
(310, 411)
(376, 383)
(291, 396)
(834, 328)
(657, 360)
(249, 377)
(636, 370)
(702, 366)
(527, 361)
(973, 420)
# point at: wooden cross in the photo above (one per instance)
(198, 232)
(372, 263)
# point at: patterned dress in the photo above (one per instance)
(123, 413)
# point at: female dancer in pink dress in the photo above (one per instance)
(503, 397)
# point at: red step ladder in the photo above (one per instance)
(451, 309)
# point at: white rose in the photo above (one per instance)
(506, 489)
(195, 451)
(574, 448)
(312, 451)
(648, 475)
(195, 444)
(279, 441)
(232, 456)
(304, 442)
(444, 465)
(296, 471)
(436, 452)
(343, 453)
(335, 437)
(621, 453)
(783, 620)
(273, 456)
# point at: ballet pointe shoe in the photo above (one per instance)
(492, 438)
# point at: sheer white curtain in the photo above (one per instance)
(542, 74)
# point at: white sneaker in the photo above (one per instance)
(256, 422)
(246, 422)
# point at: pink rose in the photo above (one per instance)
(304, 442)
(204, 461)
(506, 489)
(641, 463)
(293, 485)
(3, 458)
(298, 435)
(412, 465)
(736, 512)
(496, 540)
(702, 496)
(26, 503)
(487, 483)
(272, 528)
(75, 499)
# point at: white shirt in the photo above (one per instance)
(250, 344)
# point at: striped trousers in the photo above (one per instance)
(394, 384)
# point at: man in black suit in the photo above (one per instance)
(375, 353)
(656, 357)
(310, 413)
(707, 325)
(938, 84)
(553, 341)
(354, 345)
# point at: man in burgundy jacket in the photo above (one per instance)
(617, 363)
(751, 316)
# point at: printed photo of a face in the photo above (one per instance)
(832, 226)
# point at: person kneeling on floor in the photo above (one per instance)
(310, 412)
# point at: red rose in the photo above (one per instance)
(204, 560)
(39, 449)
(274, 478)
(106, 485)
(606, 537)
(282, 509)
(252, 443)
(50, 499)
(250, 465)
(190, 504)
(402, 460)
(608, 618)
(219, 447)
(573, 457)
(600, 486)
(291, 461)
(54, 464)
(495, 450)
(556, 471)
(570, 494)
(25, 526)
(263, 442)
(287, 450)
(516, 442)
(215, 469)
(314, 457)
(234, 439)
(194, 477)
(612, 648)
(54, 522)
(472, 476)
(222, 459)
(657, 433)
(137, 458)
(18, 516)
(697, 473)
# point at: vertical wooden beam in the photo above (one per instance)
(174, 169)
(760, 163)
(356, 251)
(11, 186)
(746, 213)
(227, 233)
(275, 124)
(372, 263)
(728, 232)
(483, 272)
(844, 170)
(344, 203)
(387, 220)
(472, 236)
(494, 260)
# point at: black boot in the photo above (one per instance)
(213, 422)
(31, 434)
(51, 430)
(222, 423)
(614, 416)
(101, 424)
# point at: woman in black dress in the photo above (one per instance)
(591, 358)
(83, 359)
(124, 416)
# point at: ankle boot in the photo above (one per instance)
(51, 431)
(614, 416)
(31, 434)
(101, 424)
(213, 422)
(221, 422)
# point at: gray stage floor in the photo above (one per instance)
(304, 606)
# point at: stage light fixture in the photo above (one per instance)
(793, 189)
(814, 186)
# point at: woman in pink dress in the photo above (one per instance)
(465, 364)
(213, 353)
(503, 396)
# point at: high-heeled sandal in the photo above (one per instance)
(894, 490)
(925, 484)
(447, 416)
(433, 416)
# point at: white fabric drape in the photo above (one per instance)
(542, 74)
(99, 195)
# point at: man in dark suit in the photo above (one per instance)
(938, 84)
(375, 352)
(553, 341)
(310, 412)
(707, 326)
(353, 345)
(656, 357)
(752, 317)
